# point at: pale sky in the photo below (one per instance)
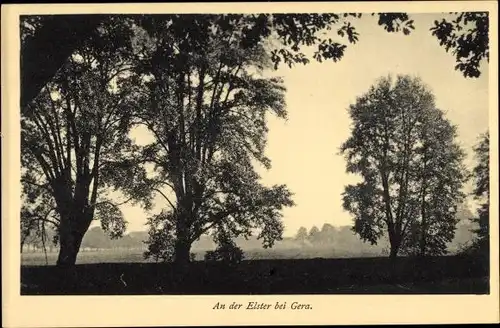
(304, 149)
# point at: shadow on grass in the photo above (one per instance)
(438, 275)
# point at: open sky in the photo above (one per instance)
(304, 149)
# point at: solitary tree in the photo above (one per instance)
(403, 148)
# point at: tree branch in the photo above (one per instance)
(164, 196)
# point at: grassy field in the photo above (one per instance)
(136, 255)
(87, 257)
(440, 275)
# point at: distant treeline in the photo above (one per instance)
(339, 240)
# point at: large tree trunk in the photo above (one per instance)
(183, 235)
(395, 242)
(71, 234)
(394, 252)
(67, 252)
(182, 243)
(182, 252)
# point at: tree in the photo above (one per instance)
(75, 143)
(327, 234)
(206, 109)
(481, 193)
(314, 234)
(403, 148)
(441, 176)
(301, 235)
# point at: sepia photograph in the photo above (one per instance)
(255, 153)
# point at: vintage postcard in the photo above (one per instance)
(249, 164)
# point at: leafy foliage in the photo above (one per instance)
(404, 150)
(161, 241)
(29, 26)
(395, 22)
(481, 175)
(466, 37)
(291, 31)
(226, 251)
(207, 111)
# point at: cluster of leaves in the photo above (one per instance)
(466, 37)
(286, 34)
(396, 22)
(161, 241)
(162, 238)
(298, 30)
(29, 25)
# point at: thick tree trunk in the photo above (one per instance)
(182, 232)
(71, 234)
(182, 252)
(69, 247)
(395, 242)
(181, 258)
(67, 254)
(423, 245)
(394, 252)
(182, 243)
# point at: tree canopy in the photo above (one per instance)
(466, 37)
(206, 106)
(75, 143)
(404, 149)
